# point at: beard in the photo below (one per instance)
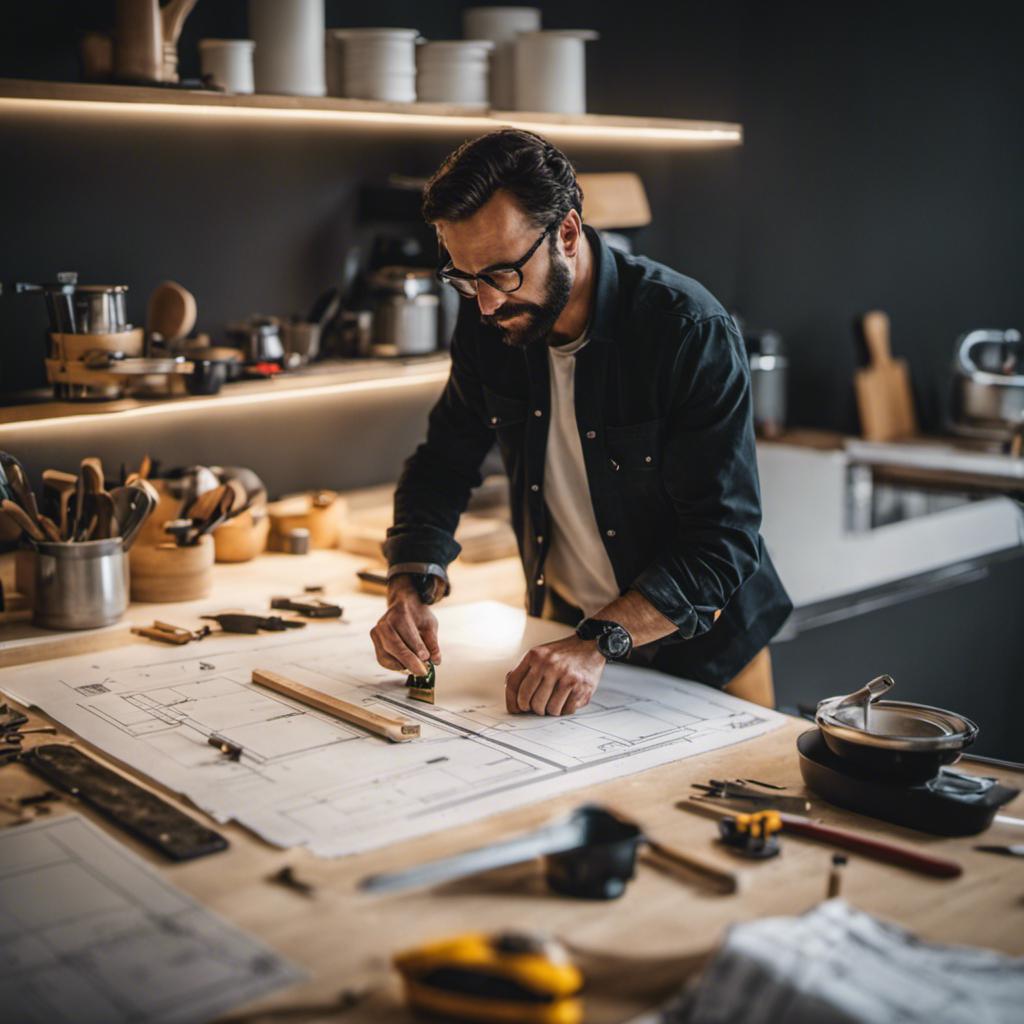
(538, 318)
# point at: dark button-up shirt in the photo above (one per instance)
(664, 414)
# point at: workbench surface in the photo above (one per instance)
(634, 950)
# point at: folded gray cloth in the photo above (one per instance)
(837, 965)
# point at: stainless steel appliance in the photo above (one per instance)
(405, 305)
(988, 385)
(82, 308)
(769, 367)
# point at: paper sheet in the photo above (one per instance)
(306, 778)
(91, 934)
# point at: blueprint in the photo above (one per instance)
(90, 934)
(305, 778)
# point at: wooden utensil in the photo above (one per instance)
(171, 311)
(884, 398)
(390, 727)
(21, 518)
(19, 484)
(64, 484)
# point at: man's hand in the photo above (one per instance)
(406, 635)
(556, 678)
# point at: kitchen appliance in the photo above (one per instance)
(406, 308)
(889, 760)
(259, 338)
(146, 39)
(76, 308)
(769, 370)
(988, 385)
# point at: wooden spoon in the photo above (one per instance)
(64, 484)
(22, 519)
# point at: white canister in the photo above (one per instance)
(500, 25)
(551, 71)
(454, 71)
(228, 62)
(289, 36)
(378, 63)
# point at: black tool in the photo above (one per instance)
(1007, 851)
(310, 607)
(739, 794)
(142, 813)
(422, 687)
(242, 622)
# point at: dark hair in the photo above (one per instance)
(536, 173)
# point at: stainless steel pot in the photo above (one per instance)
(988, 388)
(82, 308)
(894, 739)
(405, 310)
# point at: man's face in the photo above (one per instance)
(500, 233)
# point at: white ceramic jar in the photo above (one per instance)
(289, 37)
(500, 25)
(454, 71)
(377, 63)
(550, 71)
(229, 63)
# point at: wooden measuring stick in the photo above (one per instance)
(392, 728)
(728, 881)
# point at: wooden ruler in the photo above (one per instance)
(391, 727)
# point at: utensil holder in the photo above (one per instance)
(166, 573)
(242, 537)
(80, 586)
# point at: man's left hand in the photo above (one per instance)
(556, 678)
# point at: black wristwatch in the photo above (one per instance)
(613, 640)
(425, 585)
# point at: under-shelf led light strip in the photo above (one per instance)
(668, 134)
(185, 406)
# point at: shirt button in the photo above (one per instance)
(540, 581)
(538, 412)
(540, 538)
(534, 487)
(648, 459)
(611, 533)
(494, 419)
(591, 435)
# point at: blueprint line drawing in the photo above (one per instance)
(90, 933)
(306, 778)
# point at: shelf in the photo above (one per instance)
(328, 378)
(20, 95)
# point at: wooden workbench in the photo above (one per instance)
(634, 950)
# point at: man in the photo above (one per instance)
(618, 392)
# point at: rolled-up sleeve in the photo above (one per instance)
(709, 472)
(437, 479)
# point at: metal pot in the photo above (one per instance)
(988, 388)
(259, 338)
(405, 310)
(80, 586)
(82, 308)
(892, 739)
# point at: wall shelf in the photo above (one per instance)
(63, 98)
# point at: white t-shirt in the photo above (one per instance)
(577, 565)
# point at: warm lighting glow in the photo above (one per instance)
(609, 130)
(186, 406)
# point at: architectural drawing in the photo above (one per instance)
(89, 932)
(305, 778)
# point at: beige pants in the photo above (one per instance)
(754, 682)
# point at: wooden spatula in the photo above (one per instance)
(884, 398)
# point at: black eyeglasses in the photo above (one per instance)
(504, 277)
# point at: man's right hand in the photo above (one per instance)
(406, 635)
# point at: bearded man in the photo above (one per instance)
(618, 392)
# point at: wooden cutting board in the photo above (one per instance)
(884, 398)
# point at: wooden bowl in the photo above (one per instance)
(242, 537)
(164, 573)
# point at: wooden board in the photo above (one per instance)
(884, 398)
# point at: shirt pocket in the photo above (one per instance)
(635, 448)
(503, 411)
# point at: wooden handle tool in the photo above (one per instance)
(22, 519)
(728, 881)
(393, 728)
(65, 485)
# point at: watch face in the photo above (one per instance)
(615, 642)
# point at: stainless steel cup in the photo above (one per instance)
(80, 586)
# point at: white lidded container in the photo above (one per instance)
(229, 63)
(551, 70)
(375, 63)
(289, 37)
(500, 25)
(454, 71)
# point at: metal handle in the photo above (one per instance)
(980, 337)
